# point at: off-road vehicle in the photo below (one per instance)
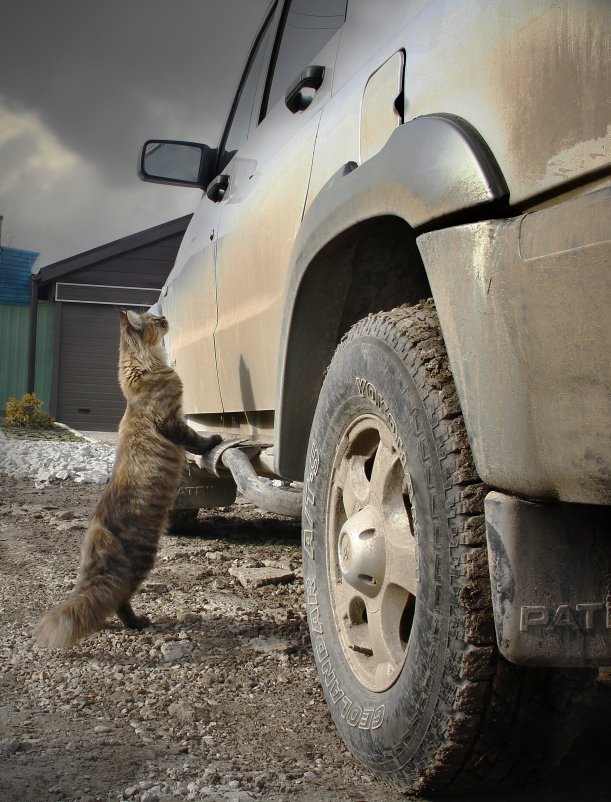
(393, 302)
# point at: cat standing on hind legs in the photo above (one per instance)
(120, 545)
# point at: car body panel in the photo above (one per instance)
(505, 109)
(532, 77)
(524, 311)
(188, 299)
(260, 219)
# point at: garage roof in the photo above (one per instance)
(60, 269)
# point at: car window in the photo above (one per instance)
(242, 111)
(308, 26)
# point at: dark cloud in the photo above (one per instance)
(102, 77)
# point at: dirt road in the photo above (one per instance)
(218, 701)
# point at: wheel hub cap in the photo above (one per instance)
(371, 553)
(361, 551)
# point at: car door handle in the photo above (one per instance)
(217, 187)
(311, 78)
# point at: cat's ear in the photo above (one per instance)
(134, 319)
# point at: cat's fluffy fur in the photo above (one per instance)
(120, 545)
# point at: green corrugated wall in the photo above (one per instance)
(44, 352)
(14, 345)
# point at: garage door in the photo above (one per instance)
(88, 392)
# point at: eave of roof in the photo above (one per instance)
(56, 270)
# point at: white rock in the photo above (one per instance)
(182, 711)
(152, 795)
(258, 577)
(270, 645)
(8, 746)
(173, 651)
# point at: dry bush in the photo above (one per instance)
(27, 412)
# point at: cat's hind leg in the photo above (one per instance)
(130, 619)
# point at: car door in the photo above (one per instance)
(263, 206)
(189, 297)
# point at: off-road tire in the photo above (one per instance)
(457, 716)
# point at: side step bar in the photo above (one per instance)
(235, 456)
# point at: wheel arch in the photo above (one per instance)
(356, 253)
(338, 288)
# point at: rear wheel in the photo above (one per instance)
(396, 577)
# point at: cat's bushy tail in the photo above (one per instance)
(101, 588)
(81, 614)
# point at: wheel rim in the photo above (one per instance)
(371, 553)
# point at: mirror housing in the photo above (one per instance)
(181, 164)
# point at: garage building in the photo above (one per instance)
(86, 290)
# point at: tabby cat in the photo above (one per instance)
(120, 545)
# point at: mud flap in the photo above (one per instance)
(550, 570)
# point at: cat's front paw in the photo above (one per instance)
(211, 441)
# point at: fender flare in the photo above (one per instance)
(433, 170)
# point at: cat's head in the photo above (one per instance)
(149, 329)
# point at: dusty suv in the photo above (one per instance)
(393, 302)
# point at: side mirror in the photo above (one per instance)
(182, 164)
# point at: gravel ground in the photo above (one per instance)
(219, 700)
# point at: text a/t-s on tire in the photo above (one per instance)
(396, 577)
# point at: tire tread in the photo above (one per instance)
(495, 722)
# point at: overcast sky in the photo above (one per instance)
(82, 85)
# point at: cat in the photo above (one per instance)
(120, 545)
